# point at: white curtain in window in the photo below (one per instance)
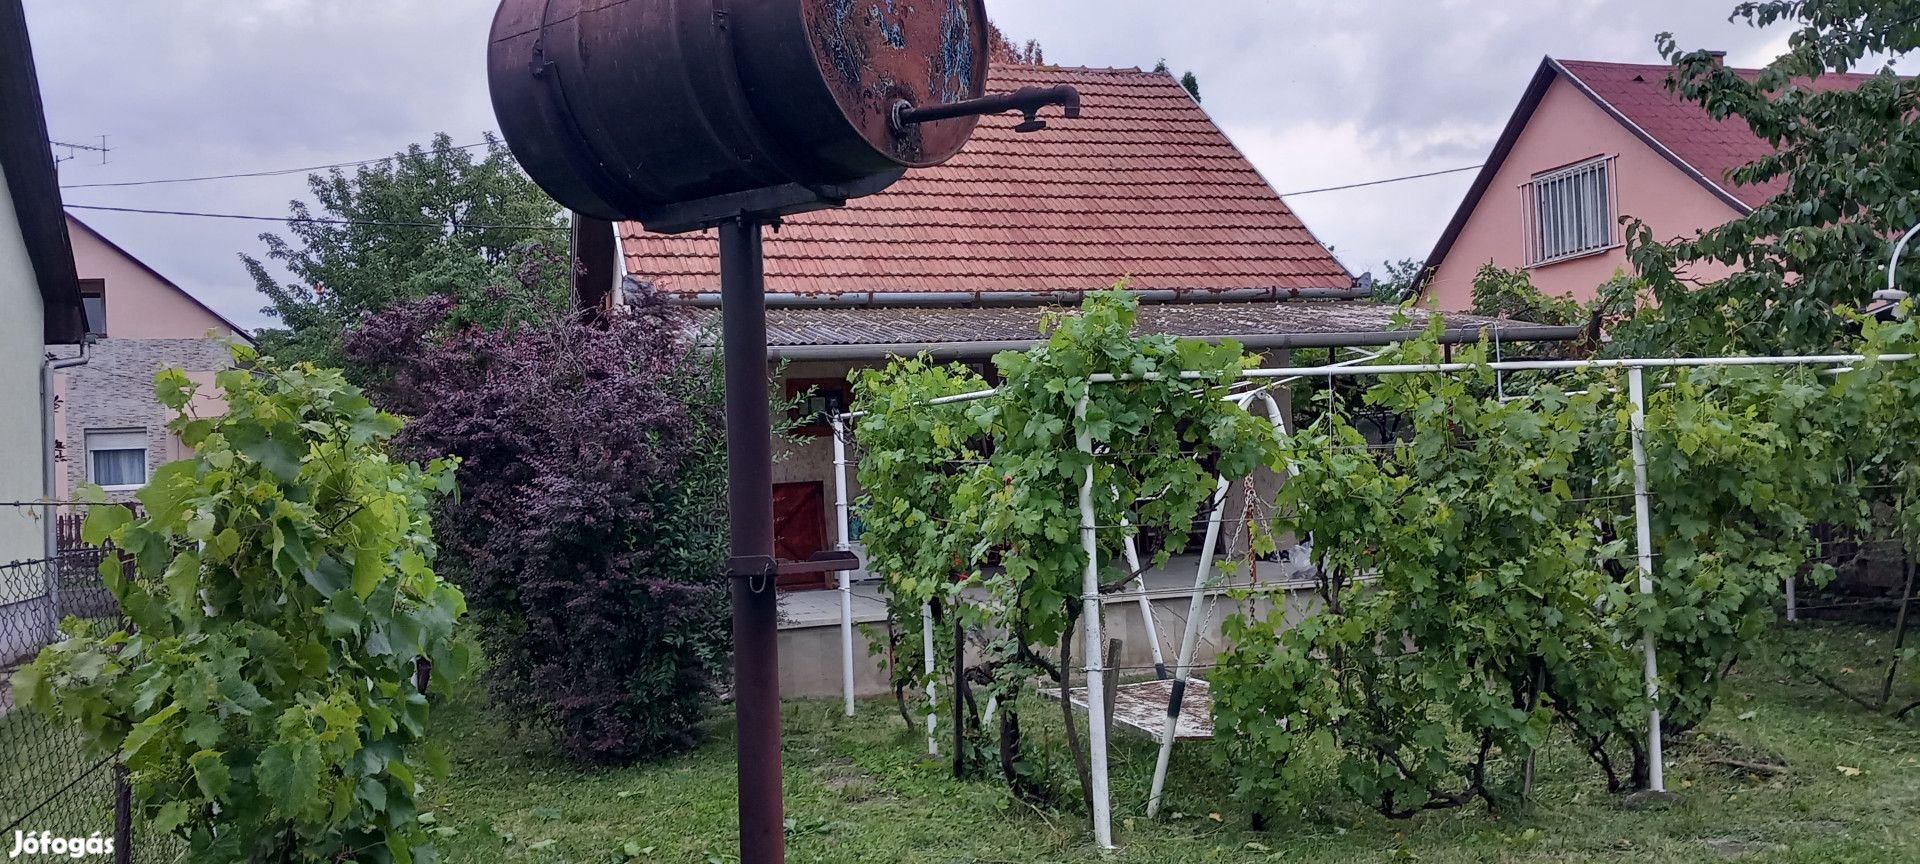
(117, 458)
(120, 467)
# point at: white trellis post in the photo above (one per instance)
(1643, 535)
(933, 699)
(843, 522)
(1090, 607)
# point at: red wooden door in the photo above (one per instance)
(800, 529)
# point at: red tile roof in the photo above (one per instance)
(1712, 147)
(1142, 185)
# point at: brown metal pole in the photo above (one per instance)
(122, 814)
(756, 661)
(959, 682)
(594, 248)
(1900, 628)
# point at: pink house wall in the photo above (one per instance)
(140, 304)
(1568, 127)
(151, 324)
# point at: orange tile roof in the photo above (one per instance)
(1142, 186)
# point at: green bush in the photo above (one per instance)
(263, 696)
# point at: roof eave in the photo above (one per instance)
(1250, 341)
(1516, 124)
(33, 184)
(1002, 299)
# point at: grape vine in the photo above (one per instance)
(995, 531)
(1479, 581)
(264, 698)
(1502, 592)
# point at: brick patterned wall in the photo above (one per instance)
(114, 392)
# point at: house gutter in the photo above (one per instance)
(48, 477)
(926, 299)
(1255, 342)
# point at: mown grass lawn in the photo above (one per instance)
(860, 790)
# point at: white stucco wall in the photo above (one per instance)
(22, 346)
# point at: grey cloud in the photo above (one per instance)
(213, 86)
(1399, 68)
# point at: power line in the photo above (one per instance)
(309, 220)
(286, 171)
(280, 172)
(1381, 182)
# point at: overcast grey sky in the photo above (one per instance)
(1317, 92)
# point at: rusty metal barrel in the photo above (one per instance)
(620, 108)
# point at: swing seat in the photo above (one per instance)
(1142, 707)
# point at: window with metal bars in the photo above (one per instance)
(1570, 211)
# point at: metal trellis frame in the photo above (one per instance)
(1096, 668)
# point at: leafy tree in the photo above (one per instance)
(264, 696)
(1192, 83)
(1187, 79)
(1502, 293)
(479, 217)
(1396, 286)
(1847, 166)
(590, 531)
(1005, 49)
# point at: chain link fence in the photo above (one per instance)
(54, 785)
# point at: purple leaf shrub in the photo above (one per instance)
(590, 528)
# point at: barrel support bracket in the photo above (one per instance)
(1026, 100)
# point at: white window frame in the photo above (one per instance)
(117, 440)
(94, 289)
(1561, 211)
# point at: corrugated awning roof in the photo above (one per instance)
(799, 333)
(1142, 186)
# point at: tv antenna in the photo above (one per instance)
(74, 150)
